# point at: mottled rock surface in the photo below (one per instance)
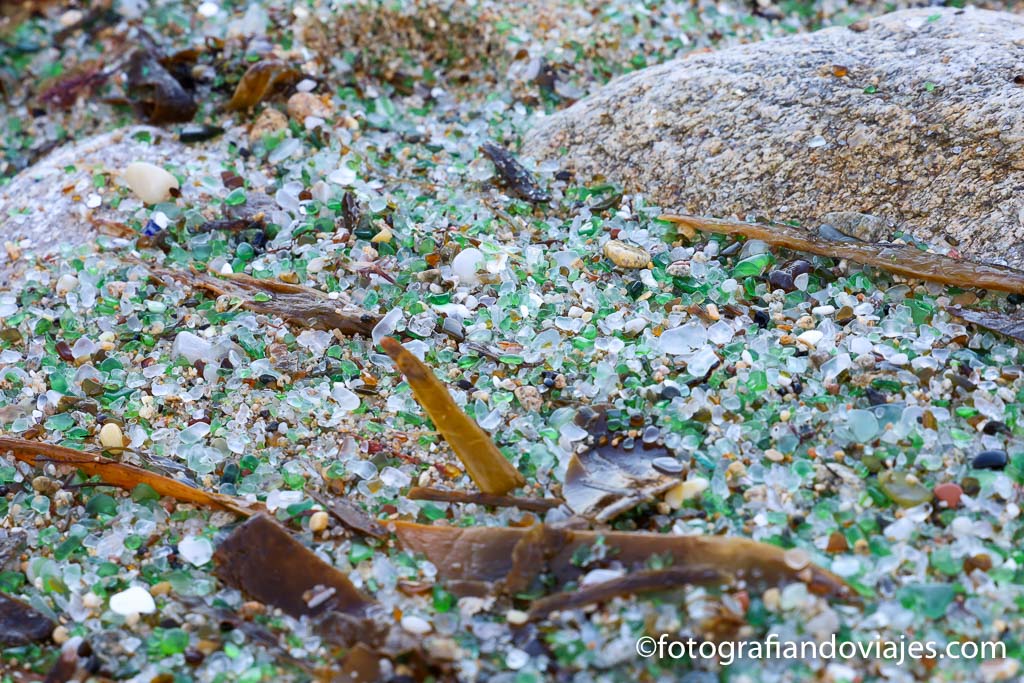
(916, 120)
(55, 202)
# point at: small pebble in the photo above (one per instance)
(949, 493)
(796, 558)
(687, 490)
(111, 437)
(269, 121)
(516, 617)
(529, 397)
(134, 600)
(516, 659)
(417, 626)
(318, 521)
(149, 182)
(990, 460)
(302, 105)
(626, 255)
(466, 264)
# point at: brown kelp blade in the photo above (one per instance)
(646, 581)
(490, 500)
(486, 465)
(489, 554)
(295, 304)
(904, 260)
(261, 559)
(1007, 324)
(120, 474)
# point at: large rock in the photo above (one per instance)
(916, 121)
(47, 205)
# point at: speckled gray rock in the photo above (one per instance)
(916, 121)
(47, 205)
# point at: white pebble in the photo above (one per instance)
(111, 437)
(465, 265)
(810, 338)
(149, 182)
(66, 283)
(417, 626)
(134, 600)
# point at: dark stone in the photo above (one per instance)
(669, 392)
(875, 397)
(781, 279)
(990, 460)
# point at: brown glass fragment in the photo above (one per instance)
(261, 559)
(486, 465)
(20, 624)
(905, 260)
(260, 81)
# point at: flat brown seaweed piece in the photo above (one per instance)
(608, 480)
(486, 465)
(120, 474)
(905, 260)
(261, 559)
(518, 556)
(1007, 324)
(21, 624)
(295, 304)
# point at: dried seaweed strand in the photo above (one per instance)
(486, 465)
(904, 260)
(119, 474)
(638, 582)
(1009, 325)
(491, 500)
(295, 304)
